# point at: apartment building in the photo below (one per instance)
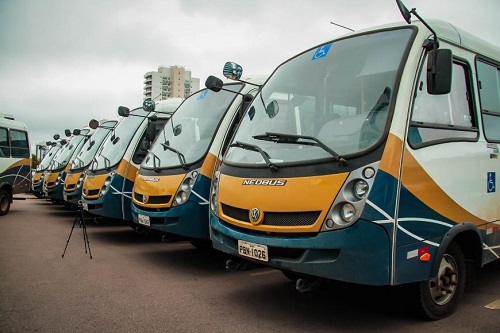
(173, 81)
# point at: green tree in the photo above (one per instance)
(34, 161)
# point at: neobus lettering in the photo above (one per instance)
(264, 182)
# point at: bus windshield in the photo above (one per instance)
(63, 158)
(49, 157)
(116, 144)
(186, 136)
(329, 102)
(88, 151)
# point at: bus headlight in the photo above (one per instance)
(360, 189)
(107, 183)
(58, 180)
(347, 212)
(80, 180)
(186, 187)
(214, 192)
(351, 199)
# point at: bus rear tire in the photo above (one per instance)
(4, 202)
(438, 297)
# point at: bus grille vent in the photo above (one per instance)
(279, 219)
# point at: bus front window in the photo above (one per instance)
(333, 98)
(113, 149)
(186, 136)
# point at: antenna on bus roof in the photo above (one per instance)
(338, 25)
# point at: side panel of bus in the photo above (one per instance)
(448, 178)
(15, 162)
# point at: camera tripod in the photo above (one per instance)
(81, 219)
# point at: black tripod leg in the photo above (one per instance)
(86, 238)
(86, 243)
(70, 233)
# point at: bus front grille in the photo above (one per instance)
(279, 219)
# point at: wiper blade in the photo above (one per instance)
(181, 157)
(250, 147)
(299, 139)
(155, 157)
(80, 162)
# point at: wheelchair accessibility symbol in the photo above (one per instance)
(491, 185)
(203, 94)
(322, 51)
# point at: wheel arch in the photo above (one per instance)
(8, 188)
(468, 238)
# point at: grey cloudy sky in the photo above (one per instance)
(64, 62)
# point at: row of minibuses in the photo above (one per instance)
(369, 159)
(54, 148)
(55, 175)
(15, 160)
(106, 184)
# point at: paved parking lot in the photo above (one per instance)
(139, 284)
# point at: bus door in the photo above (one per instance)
(445, 179)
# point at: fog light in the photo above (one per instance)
(329, 223)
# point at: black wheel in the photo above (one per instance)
(439, 296)
(4, 202)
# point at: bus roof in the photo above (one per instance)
(7, 120)
(445, 31)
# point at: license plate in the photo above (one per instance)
(85, 206)
(143, 219)
(252, 250)
(65, 197)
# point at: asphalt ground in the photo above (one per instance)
(138, 284)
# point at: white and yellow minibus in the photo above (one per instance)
(108, 183)
(15, 160)
(371, 159)
(171, 189)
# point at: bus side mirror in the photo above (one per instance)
(148, 105)
(213, 83)
(439, 70)
(232, 70)
(123, 111)
(56, 136)
(76, 131)
(93, 124)
(67, 132)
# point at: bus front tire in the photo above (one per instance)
(438, 297)
(4, 202)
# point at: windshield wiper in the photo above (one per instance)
(80, 162)
(105, 160)
(299, 139)
(250, 147)
(181, 157)
(155, 157)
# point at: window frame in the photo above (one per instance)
(494, 64)
(445, 127)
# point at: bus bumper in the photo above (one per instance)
(188, 220)
(358, 254)
(73, 197)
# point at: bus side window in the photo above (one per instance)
(19, 144)
(489, 94)
(443, 118)
(4, 143)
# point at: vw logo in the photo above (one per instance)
(144, 198)
(255, 214)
